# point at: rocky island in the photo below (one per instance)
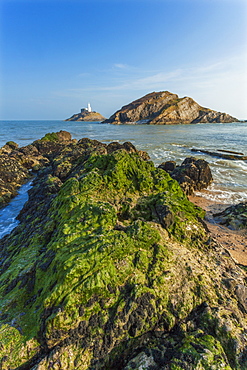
(86, 115)
(164, 108)
(112, 267)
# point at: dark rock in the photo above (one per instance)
(168, 166)
(165, 215)
(112, 147)
(226, 154)
(234, 217)
(192, 175)
(230, 283)
(12, 144)
(129, 147)
(12, 175)
(241, 293)
(16, 163)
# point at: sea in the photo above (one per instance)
(162, 142)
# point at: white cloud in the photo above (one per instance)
(120, 66)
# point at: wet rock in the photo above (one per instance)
(168, 166)
(192, 175)
(234, 217)
(12, 175)
(16, 163)
(226, 154)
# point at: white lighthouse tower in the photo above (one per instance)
(88, 109)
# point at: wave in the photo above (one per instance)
(224, 196)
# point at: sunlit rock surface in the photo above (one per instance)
(164, 108)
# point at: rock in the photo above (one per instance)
(168, 166)
(141, 361)
(12, 144)
(64, 136)
(16, 163)
(241, 293)
(163, 108)
(192, 175)
(234, 217)
(86, 116)
(129, 147)
(226, 154)
(12, 175)
(111, 268)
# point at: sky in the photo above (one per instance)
(58, 55)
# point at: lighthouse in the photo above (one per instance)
(88, 109)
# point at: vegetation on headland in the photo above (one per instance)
(112, 268)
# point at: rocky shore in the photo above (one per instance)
(19, 164)
(232, 237)
(112, 267)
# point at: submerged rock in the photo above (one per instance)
(164, 108)
(111, 268)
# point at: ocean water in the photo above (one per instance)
(171, 142)
(9, 213)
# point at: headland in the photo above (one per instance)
(164, 108)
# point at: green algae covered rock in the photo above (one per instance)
(111, 268)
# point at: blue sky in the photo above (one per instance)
(58, 55)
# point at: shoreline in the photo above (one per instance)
(235, 241)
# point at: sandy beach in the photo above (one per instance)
(235, 241)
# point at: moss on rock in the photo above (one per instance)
(112, 261)
(50, 137)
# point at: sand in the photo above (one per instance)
(235, 241)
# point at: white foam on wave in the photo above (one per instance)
(218, 194)
(180, 145)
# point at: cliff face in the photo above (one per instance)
(164, 108)
(86, 116)
(111, 268)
